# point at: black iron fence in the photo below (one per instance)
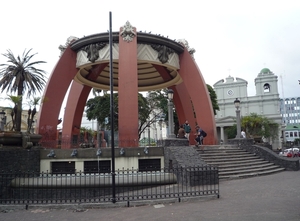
(130, 185)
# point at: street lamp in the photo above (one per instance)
(238, 118)
(170, 112)
(2, 120)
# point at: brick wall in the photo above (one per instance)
(197, 171)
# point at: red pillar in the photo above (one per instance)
(128, 93)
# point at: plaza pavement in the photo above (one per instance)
(273, 197)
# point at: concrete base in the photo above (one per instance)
(171, 142)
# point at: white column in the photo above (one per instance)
(222, 134)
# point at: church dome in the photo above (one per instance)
(265, 71)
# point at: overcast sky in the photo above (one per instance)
(237, 38)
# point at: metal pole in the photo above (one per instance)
(113, 174)
(98, 135)
(238, 124)
(160, 127)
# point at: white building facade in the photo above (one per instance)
(266, 102)
(290, 112)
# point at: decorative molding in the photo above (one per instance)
(92, 50)
(70, 39)
(186, 44)
(128, 32)
(163, 52)
(103, 53)
(144, 52)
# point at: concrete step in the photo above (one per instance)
(234, 163)
(250, 174)
(221, 153)
(231, 160)
(241, 165)
(246, 167)
(247, 170)
(226, 156)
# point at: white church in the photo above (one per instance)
(266, 102)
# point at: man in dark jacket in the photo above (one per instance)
(187, 129)
(199, 136)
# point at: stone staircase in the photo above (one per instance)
(235, 163)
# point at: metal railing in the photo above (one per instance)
(130, 185)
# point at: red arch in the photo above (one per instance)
(54, 94)
(197, 89)
(75, 106)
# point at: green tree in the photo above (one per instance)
(213, 98)
(255, 126)
(98, 108)
(258, 125)
(19, 75)
(231, 131)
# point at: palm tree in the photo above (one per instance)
(19, 75)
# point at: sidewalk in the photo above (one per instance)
(273, 197)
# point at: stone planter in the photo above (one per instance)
(12, 138)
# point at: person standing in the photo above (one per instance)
(243, 134)
(187, 129)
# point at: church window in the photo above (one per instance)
(266, 88)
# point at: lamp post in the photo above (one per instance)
(160, 121)
(170, 112)
(238, 118)
(149, 143)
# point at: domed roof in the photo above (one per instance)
(265, 71)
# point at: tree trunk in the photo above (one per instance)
(19, 110)
(18, 118)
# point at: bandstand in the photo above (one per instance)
(141, 62)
